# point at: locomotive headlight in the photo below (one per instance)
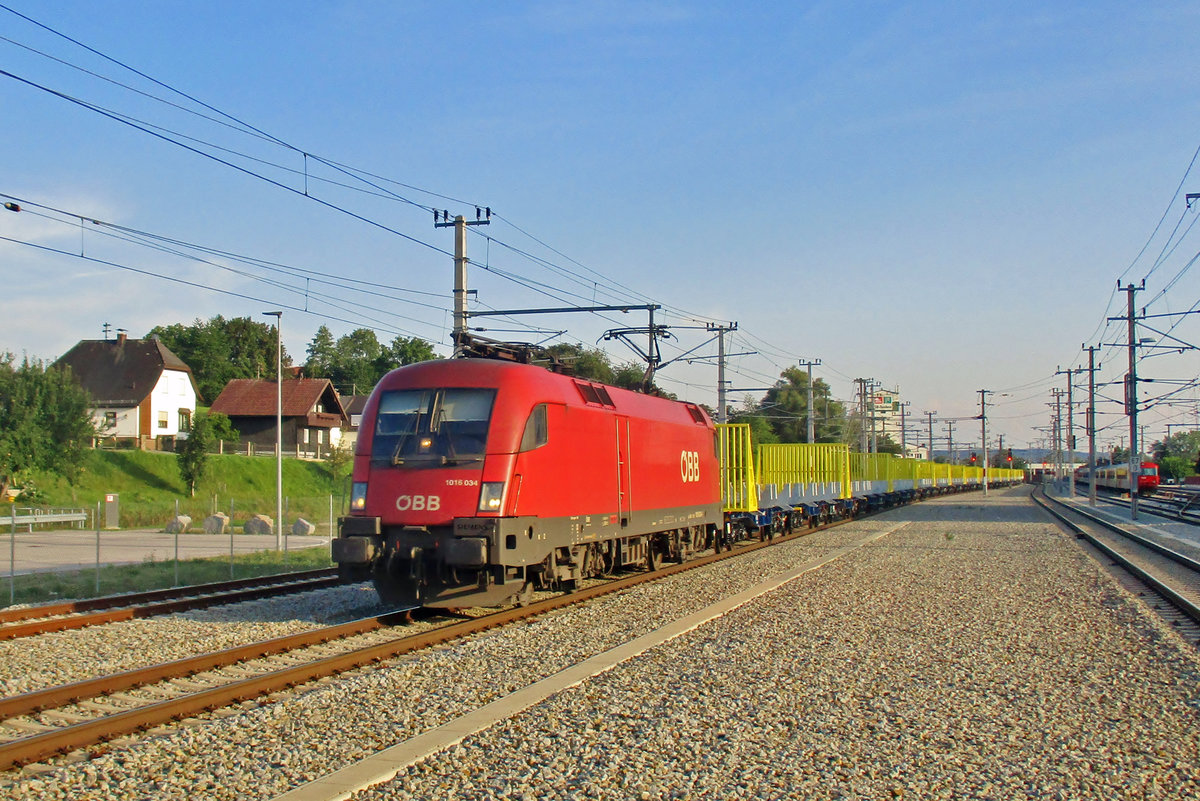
(358, 496)
(491, 494)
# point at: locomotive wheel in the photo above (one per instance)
(682, 549)
(394, 593)
(725, 538)
(654, 557)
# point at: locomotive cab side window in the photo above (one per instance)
(537, 432)
(422, 428)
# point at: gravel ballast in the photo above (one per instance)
(974, 652)
(47, 660)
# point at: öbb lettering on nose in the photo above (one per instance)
(418, 503)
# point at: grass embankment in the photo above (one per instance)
(149, 487)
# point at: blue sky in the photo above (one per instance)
(940, 196)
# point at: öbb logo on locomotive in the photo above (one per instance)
(689, 466)
(418, 503)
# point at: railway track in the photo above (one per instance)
(1172, 576)
(38, 724)
(1172, 504)
(61, 719)
(36, 620)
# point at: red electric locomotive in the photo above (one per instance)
(476, 481)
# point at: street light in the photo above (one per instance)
(278, 315)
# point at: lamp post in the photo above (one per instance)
(278, 315)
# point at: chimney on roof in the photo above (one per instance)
(121, 336)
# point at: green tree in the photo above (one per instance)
(787, 401)
(1184, 445)
(885, 444)
(220, 429)
(1000, 459)
(356, 361)
(321, 354)
(1174, 467)
(630, 375)
(752, 413)
(339, 459)
(407, 350)
(590, 363)
(45, 422)
(192, 453)
(221, 350)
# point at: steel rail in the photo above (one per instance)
(150, 596)
(80, 735)
(1159, 548)
(61, 695)
(1153, 505)
(1185, 605)
(34, 627)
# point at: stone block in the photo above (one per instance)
(179, 524)
(216, 524)
(259, 524)
(303, 528)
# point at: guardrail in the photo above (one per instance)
(31, 516)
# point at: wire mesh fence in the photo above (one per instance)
(57, 554)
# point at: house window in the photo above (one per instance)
(162, 419)
(110, 420)
(185, 420)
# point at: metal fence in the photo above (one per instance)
(58, 553)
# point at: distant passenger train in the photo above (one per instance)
(1115, 477)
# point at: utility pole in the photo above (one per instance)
(874, 434)
(460, 224)
(950, 441)
(930, 416)
(1070, 441)
(722, 401)
(1135, 457)
(812, 427)
(904, 428)
(278, 315)
(1091, 425)
(1058, 461)
(983, 393)
(862, 406)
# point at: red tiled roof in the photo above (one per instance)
(252, 397)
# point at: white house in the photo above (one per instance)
(140, 390)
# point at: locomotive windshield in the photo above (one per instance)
(432, 427)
